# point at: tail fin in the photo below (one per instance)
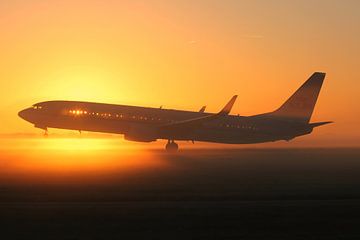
(300, 106)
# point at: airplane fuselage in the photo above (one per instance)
(144, 124)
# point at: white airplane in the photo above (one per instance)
(144, 124)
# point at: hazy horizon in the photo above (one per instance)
(183, 55)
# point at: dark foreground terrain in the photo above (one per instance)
(195, 194)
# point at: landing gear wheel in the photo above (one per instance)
(171, 146)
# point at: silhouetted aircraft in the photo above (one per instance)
(145, 124)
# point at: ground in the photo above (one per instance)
(195, 194)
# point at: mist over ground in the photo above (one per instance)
(105, 192)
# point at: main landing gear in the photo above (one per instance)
(46, 133)
(171, 146)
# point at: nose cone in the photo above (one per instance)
(24, 114)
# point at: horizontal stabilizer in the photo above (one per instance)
(319, 124)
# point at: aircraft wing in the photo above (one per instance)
(188, 123)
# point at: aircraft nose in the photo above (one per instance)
(24, 114)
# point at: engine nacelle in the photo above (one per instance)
(138, 138)
(141, 134)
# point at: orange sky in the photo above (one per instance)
(182, 54)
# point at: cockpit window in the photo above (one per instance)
(36, 107)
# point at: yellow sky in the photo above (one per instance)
(181, 54)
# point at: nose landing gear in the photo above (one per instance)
(171, 146)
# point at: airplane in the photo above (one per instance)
(145, 124)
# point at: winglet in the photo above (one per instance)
(202, 109)
(226, 110)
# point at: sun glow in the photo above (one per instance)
(179, 54)
(75, 159)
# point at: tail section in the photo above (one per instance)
(300, 106)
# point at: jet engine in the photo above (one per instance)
(141, 134)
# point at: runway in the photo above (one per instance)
(194, 194)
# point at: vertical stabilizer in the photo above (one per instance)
(300, 106)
